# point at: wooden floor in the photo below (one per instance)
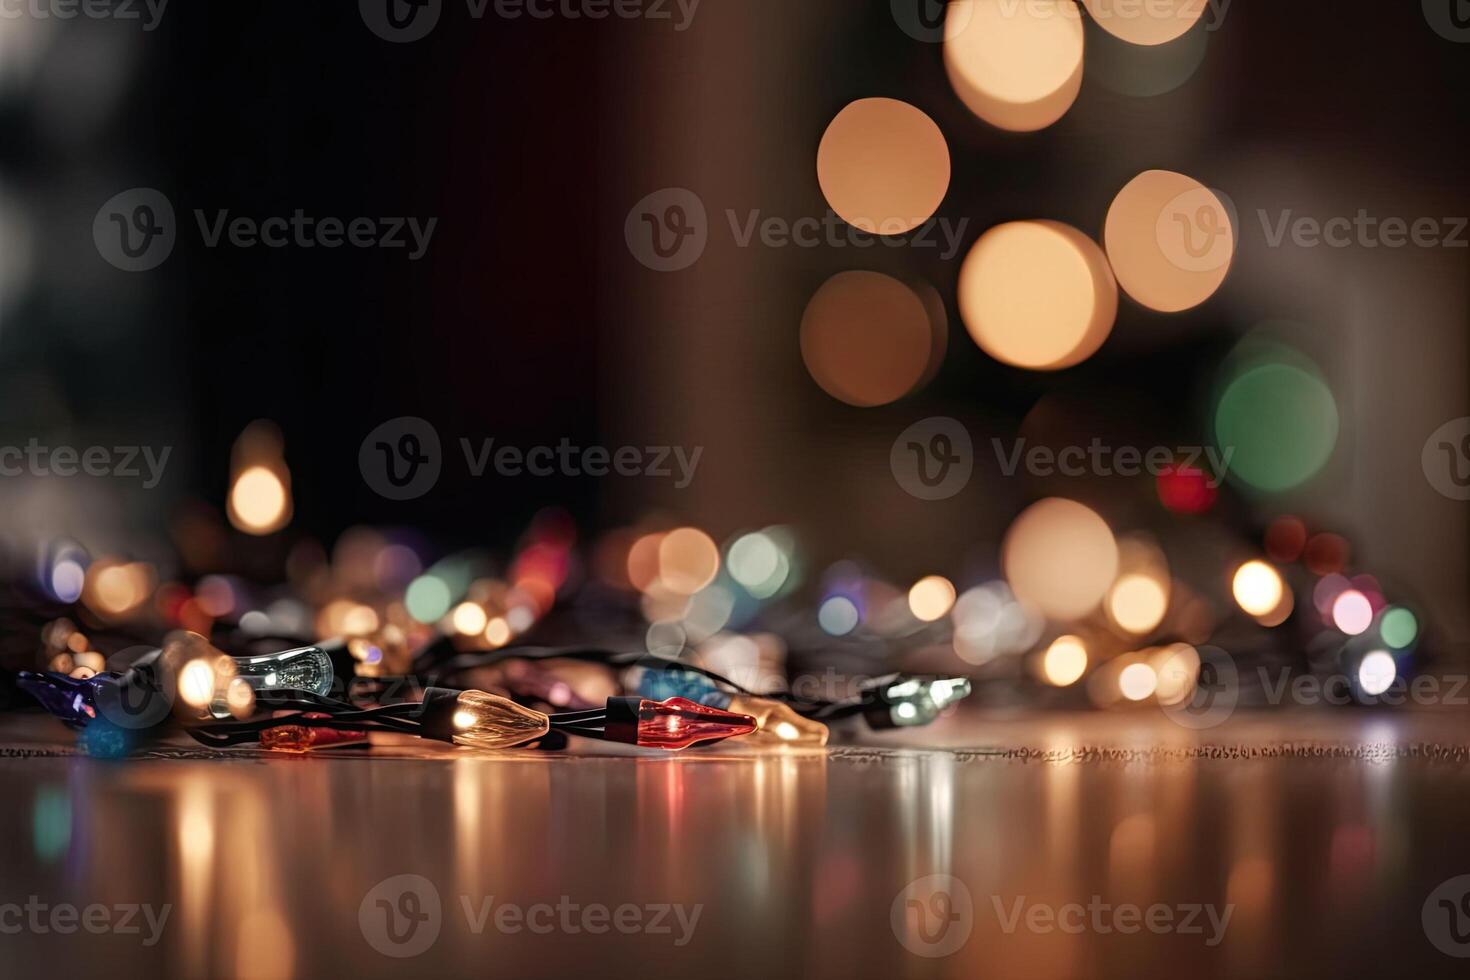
(1303, 845)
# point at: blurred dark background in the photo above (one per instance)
(529, 320)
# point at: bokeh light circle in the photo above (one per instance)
(1170, 240)
(1279, 422)
(1017, 65)
(1377, 672)
(1060, 557)
(1399, 628)
(883, 166)
(1037, 295)
(1258, 588)
(1064, 662)
(1138, 682)
(1352, 612)
(1149, 22)
(931, 598)
(1137, 603)
(688, 560)
(866, 338)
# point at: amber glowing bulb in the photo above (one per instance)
(673, 724)
(300, 739)
(779, 724)
(479, 720)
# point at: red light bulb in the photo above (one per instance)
(673, 724)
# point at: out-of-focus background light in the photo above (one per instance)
(1160, 22)
(1017, 66)
(931, 598)
(866, 338)
(883, 166)
(1060, 557)
(1170, 240)
(1037, 295)
(1258, 588)
(1065, 661)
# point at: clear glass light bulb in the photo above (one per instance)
(306, 669)
(779, 724)
(485, 721)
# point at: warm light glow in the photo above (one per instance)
(1137, 603)
(487, 721)
(1037, 295)
(1377, 673)
(1352, 612)
(1060, 557)
(114, 589)
(1258, 588)
(778, 724)
(240, 698)
(497, 632)
(688, 560)
(196, 683)
(259, 502)
(1151, 22)
(1017, 65)
(642, 565)
(931, 598)
(359, 620)
(866, 338)
(469, 618)
(883, 166)
(1065, 661)
(1137, 682)
(1170, 240)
